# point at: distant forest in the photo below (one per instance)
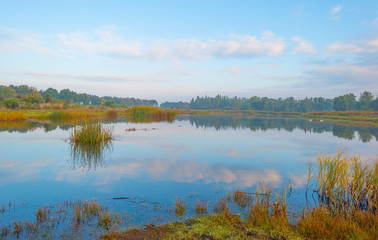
(347, 102)
(23, 96)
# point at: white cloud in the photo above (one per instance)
(364, 46)
(303, 46)
(343, 77)
(334, 12)
(343, 47)
(12, 40)
(104, 43)
(371, 46)
(185, 171)
(231, 70)
(94, 77)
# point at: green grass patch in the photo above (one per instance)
(91, 132)
(150, 114)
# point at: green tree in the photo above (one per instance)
(365, 101)
(6, 92)
(52, 92)
(345, 102)
(47, 98)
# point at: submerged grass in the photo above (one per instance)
(200, 207)
(180, 207)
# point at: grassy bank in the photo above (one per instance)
(150, 114)
(156, 114)
(362, 118)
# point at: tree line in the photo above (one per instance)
(16, 96)
(28, 97)
(347, 102)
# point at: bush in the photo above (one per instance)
(12, 103)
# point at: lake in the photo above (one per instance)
(151, 164)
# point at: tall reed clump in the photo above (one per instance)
(12, 116)
(180, 207)
(347, 190)
(91, 132)
(346, 183)
(200, 207)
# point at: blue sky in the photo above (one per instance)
(175, 50)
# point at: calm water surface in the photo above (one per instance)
(194, 158)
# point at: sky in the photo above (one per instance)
(176, 50)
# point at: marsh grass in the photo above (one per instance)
(180, 207)
(91, 132)
(346, 183)
(150, 114)
(76, 219)
(12, 116)
(200, 207)
(221, 206)
(71, 115)
(241, 198)
(112, 114)
(42, 214)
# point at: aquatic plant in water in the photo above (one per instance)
(346, 183)
(90, 144)
(91, 132)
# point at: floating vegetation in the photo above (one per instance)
(150, 114)
(12, 116)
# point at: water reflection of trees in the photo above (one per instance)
(90, 156)
(47, 126)
(31, 126)
(365, 134)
